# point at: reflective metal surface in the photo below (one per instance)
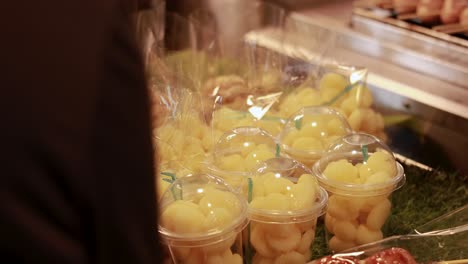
(436, 130)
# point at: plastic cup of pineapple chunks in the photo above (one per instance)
(308, 133)
(360, 173)
(239, 152)
(285, 202)
(201, 221)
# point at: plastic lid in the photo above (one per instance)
(200, 210)
(242, 149)
(359, 165)
(284, 190)
(310, 131)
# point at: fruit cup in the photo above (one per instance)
(201, 221)
(308, 133)
(360, 173)
(239, 152)
(285, 202)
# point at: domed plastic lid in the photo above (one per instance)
(200, 210)
(359, 165)
(284, 190)
(243, 149)
(309, 132)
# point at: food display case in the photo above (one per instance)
(311, 82)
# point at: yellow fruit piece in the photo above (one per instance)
(221, 246)
(309, 97)
(314, 130)
(256, 157)
(214, 259)
(302, 196)
(339, 208)
(338, 245)
(345, 230)
(292, 257)
(290, 137)
(277, 201)
(219, 199)
(306, 226)
(183, 217)
(382, 161)
(349, 105)
(258, 203)
(258, 188)
(308, 255)
(277, 185)
(195, 257)
(307, 143)
(306, 241)
(181, 252)
(234, 162)
(365, 172)
(379, 214)
(218, 218)
(362, 94)
(259, 259)
(284, 242)
(330, 222)
(247, 147)
(331, 84)
(365, 235)
(342, 171)
(335, 127)
(378, 177)
(233, 259)
(279, 230)
(258, 241)
(355, 119)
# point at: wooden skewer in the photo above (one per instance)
(414, 15)
(454, 28)
(446, 26)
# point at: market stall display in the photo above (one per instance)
(201, 221)
(250, 127)
(360, 173)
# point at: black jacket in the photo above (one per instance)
(76, 169)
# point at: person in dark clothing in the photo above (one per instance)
(76, 167)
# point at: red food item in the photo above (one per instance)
(391, 256)
(337, 260)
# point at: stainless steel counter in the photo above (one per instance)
(439, 133)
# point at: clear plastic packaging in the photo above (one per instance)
(284, 204)
(360, 173)
(441, 247)
(454, 218)
(239, 152)
(443, 240)
(309, 132)
(201, 220)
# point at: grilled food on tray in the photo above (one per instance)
(428, 11)
(405, 6)
(452, 10)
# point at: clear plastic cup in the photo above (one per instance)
(360, 173)
(310, 131)
(201, 221)
(285, 201)
(239, 152)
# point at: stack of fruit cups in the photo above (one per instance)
(285, 201)
(202, 220)
(239, 152)
(360, 173)
(308, 133)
